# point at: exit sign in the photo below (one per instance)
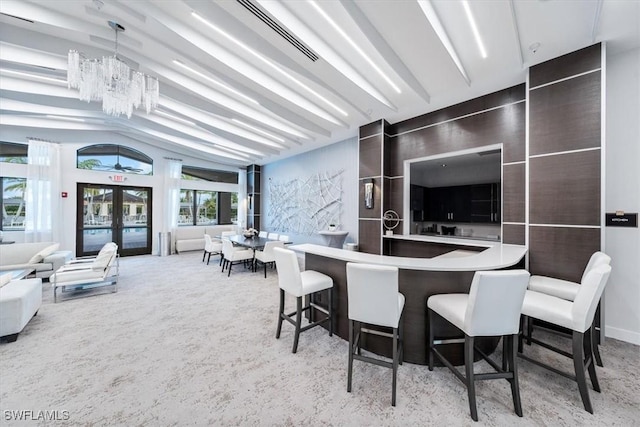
(118, 178)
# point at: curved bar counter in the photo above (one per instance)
(419, 278)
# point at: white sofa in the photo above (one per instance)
(20, 300)
(191, 238)
(43, 257)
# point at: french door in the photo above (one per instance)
(113, 213)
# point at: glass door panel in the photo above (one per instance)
(109, 213)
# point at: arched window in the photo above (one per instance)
(114, 158)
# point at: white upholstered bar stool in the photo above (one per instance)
(373, 296)
(568, 290)
(300, 284)
(266, 255)
(491, 309)
(577, 316)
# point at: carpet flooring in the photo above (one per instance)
(182, 344)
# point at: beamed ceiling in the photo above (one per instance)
(273, 79)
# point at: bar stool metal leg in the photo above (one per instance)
(280, 314)
(298, 322)
(394, 354)
(469, 377)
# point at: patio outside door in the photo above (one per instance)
(112, 213)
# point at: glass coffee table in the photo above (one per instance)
(19, 274)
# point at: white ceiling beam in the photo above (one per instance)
(516, 31)
(289, 20)
(386, 51)
(436, 24)
(213, 49)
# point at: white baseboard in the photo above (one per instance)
(622, 335)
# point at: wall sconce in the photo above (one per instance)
(368, 193)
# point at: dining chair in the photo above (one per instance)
(266, 256)
(264, 234)
(211, 247)
(490, 309)
(234, 255)
(283, 238)
(273, 236)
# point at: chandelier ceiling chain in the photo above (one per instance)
(112, 81)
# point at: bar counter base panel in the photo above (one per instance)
(417, 286)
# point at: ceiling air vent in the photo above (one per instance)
(17, 17)
(278, 29)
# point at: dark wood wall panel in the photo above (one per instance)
(565, 116)
(561, 252)
(371, 129)
(396, 197)
(513, 148)
(386, 202)
(565, 189)
(369, 232)
(386, 150)
(376, 212)
(496, 99)
(513, 191)
(567, 65)
(513, 234)
(504, 125)
(370, 157)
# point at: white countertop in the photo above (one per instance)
(450, 240)
(494, 257)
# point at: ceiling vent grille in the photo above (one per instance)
(278, 29)
(17, 17)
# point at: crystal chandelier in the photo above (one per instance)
(112, 81)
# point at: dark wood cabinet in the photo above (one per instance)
(449, 204)
(485, 203)
(417, 197)
(418, 201)
(463, 203)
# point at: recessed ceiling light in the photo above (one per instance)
(73, 119)
(433, 19)
(258, 130)
(171, 116)
(474, 28)
(32, 76)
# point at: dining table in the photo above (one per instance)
(254, 243)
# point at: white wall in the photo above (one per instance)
(341, 155)
(71, 176)
(622, 192)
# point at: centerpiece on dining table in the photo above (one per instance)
(250, 233)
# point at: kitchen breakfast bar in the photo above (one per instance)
(438, 265)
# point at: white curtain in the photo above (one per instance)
(242, 199)
(42, 199)
(172, 177)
